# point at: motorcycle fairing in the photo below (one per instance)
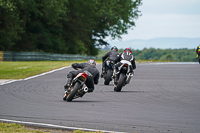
(124, 62)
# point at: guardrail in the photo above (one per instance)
(39, 56)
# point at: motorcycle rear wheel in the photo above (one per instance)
(121, 82)
(70, 97)
(108, 77)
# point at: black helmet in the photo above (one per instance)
(114, 48)
(91, 62)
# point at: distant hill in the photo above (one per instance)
(107, 47)
(162, 43)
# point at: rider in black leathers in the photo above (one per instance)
(197, 51)
(111, 55)
(127, 55)
(92, 78)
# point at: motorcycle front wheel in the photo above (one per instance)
(108, 77)
(74, 90)
(122, 78)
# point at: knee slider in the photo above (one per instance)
(69, 75)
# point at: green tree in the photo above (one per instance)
(184, 55)
(41, 25)
(10, 24)
(64, 26)
(91, 21)
(115, 18)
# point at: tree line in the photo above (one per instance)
(176, 55)
(64, 26)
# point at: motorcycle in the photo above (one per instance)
(123, 76)
(108, 72)
(198, 58)
(76, 89)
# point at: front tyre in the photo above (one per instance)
(121, 82)
(108, 77)
(77, 86)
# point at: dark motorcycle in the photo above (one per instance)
(108, 72)
(123, 76)
(76, 88)
(198, 59)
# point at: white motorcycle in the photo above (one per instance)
(123, 76)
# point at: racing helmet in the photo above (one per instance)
(127, 50)
(91, 62)
(114, 48)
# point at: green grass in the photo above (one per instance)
(18, 128)
(15, 128)
(24, 69)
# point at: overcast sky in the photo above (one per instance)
(166, 18)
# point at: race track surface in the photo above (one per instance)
(161, 98)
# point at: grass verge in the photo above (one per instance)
(18, 128)
(15, 128)
(24, 69)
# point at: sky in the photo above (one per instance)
(166, 18)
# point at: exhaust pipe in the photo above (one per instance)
(85, 89)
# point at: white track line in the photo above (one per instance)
(56, 126)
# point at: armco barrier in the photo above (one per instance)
(7, 56)
(30, 56)
(38, 56)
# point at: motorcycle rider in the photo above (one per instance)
(127, 55)
(90, 69)
(198, 52)
(111, 55)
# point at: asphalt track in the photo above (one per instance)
(161, 98)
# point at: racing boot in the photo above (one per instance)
(102, 74)
(114, 73)
(65, 96)
(132, 73)
(66, 87)
(103, 70)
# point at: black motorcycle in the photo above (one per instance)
(108, 71)
(123, 76)
(198, 59)
(76, 88)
